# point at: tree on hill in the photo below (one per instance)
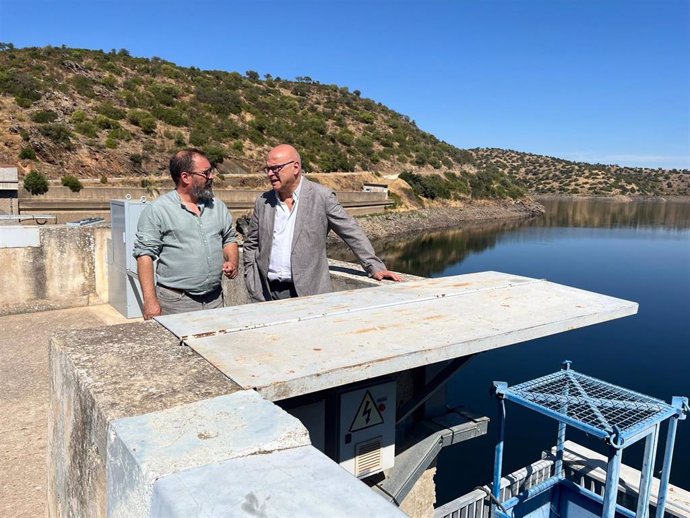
(36, 182)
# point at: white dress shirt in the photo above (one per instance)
(280, 266)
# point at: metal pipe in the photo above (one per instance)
(613, 471)
(666, 470)
(498, 454)
(647, 473)
(560, 443)
(533, 491)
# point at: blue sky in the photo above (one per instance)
(598, 81)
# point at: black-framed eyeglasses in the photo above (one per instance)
(206, 173)
(275, 169)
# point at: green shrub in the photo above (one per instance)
(146, 183)
(36, 182)
(110, 111)
(111, 143)
(72, 182)
(86, 128)
(179, 140)
(83, 85)
(120, 134)
(238, 146)
(78, 116)
(199, 137)
(215, 154)
(109, 81)
(136, 160)
(144, 120)
(170, 116)
(43, 116)
(104, 122)
(164, 93)
(104, 179)
(23, 86)
(427, 186)
(23, 102)
(27, 153)
(58, 133)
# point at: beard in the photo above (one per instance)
(203, 192)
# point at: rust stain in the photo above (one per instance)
(366, 330)
(435, 317)
(461, 284)
(318, 349)
(210, 333)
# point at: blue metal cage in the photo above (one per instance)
(618, 416)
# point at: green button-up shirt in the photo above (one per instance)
(189, 248)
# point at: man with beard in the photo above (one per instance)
(285, 246)
(191, 234)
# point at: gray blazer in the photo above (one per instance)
(318, 212)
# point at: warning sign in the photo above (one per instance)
(367, 415)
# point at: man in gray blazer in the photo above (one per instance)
(285, 247)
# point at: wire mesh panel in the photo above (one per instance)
(579, 399)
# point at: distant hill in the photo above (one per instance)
(548, 175)
(95, 114)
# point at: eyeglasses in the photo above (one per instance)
(206, 174)
(275, 169)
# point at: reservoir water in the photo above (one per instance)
(638, 251)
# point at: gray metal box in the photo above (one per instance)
(124, 290)
(124, 217)
(366, 439)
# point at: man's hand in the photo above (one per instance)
(230, 269)
(152, 308)
(386, 274)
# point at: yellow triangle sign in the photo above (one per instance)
(367, 415)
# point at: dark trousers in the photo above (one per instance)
(281, 290)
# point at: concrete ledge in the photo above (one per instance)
(298, 482)
(102, 374)
(143, 449)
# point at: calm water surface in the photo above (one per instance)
(638, 251)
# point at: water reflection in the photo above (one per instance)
(615, 214)
(431, 252)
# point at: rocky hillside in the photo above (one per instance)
(548, 175)
(92, 113)
(112, 117)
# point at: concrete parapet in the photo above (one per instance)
(295, 482)
(102, 374)
(66, 268)
(144, 449)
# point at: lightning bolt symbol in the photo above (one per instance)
(367, 412)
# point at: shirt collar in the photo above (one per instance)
(295, 194)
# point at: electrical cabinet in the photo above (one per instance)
(366, 429)
(124, 290)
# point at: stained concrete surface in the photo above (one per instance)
(24, 401)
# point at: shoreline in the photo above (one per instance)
(619, 198)
(388, 224)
